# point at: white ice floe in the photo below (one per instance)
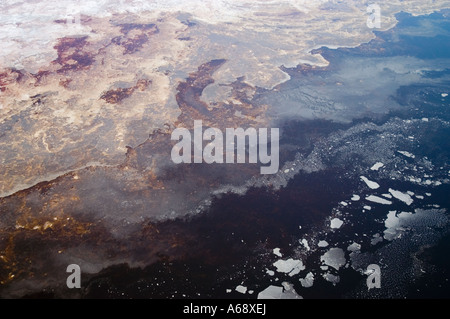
(393, 225)
(241, 289)
(369, 183)
(425, 119)
(334, 257)
(277, 252)
(404, 197)
(378, 200)
(355, 198)
(415, 179)
(377, 166)
(407, 154)
(289, 266)
(322, 243)
(343, 203)
(336, 223)
(419, 197)
(387, 195)
(391, 220)
(270, 272)
(376, 239)
(305, 244)
(271, 292)
(308, 281)
(286, 171)
(276, 292)
(354, 247)
(331, 278)
(444, 94)
(367, 207)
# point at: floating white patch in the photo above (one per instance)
(334, 257)
(378, 200)
(354, 247)
(377, 166)
(407, 154)
(376, 239)
(289, 266)
(241, 289)
(331, 278)
(305, 243)
(276, 251)
(277, 292)
(336, 223)
(308, 281)
(393, 225)
(322, 243)
(367, 207)
(371, 184)
(355, 198)
(271, 292)
(406, 198)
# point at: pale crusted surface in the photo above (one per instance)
(54, 119)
